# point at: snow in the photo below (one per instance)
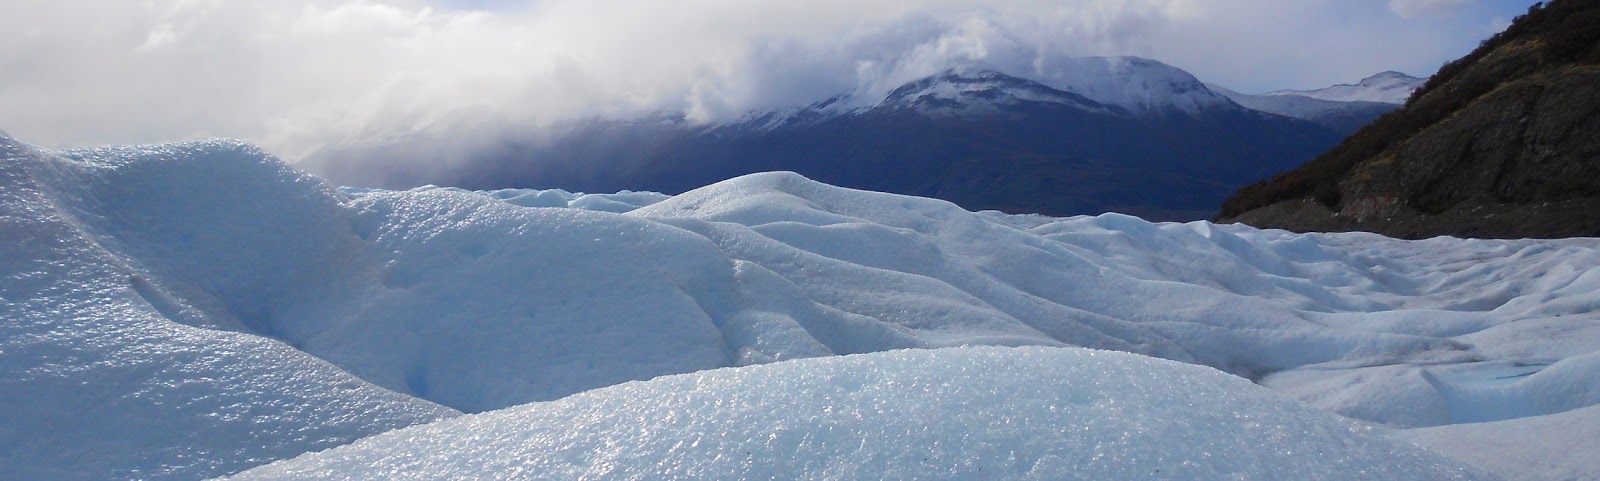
(619, 202)
(1138, 85)
(105, 373)
(976, 91)
(1133, 85)
(1297, 106)
(1543, 448)
(1386, 87)
(847, 103)
(1111, 85)
(967, 413)
(192, 310)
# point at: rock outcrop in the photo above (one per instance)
(1504, 142)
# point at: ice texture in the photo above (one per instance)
(960, 413)
(1553, 447)
(106, 374)
(617, 203)
(189, 310)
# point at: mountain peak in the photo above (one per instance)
(980, 77)
(1387, 75)
(1388, 87)
(976, 90)
(1120, 86)
(1137, 84)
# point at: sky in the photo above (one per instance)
(296, 76)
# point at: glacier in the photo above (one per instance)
(192, 310)
(959, 413)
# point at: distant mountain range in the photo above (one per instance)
(1504, 142)
(1385, 88)
(1343, 108)
(1097, 134)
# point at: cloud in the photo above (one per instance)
(301, 75)
(1417, 8)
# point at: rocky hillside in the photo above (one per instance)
(1504, 142)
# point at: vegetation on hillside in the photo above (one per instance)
(1558, 34)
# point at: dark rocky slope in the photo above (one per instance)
(1504, 142)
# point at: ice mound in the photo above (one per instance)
(961, 413)
(616, 203)
(1556, 446)
(1369, 327)
(104, 374)
(180, 285)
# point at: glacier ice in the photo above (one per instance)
(1557, 446)
(960, 413)
(195, 309)
(106, 373)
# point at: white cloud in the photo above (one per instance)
(1417, 8)
(296, 75)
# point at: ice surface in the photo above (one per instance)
(107, 373)
(1543, 448)
(178, 286)
(616, 203)
(960, 413)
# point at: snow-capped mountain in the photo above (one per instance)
(1124, 86)
(1344, 108)
(1127, 86)
(1342, 117)
(1387, 87)
(1085, 136)
(960, 92)
(1139, 85)
(956, 92)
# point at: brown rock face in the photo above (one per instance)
(1502, 143)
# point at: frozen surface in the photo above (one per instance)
(616, 203)
(106, 373)
(965, 413)
(194, 309)
(1556, 447)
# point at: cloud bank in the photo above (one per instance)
(299, 75)
(1415, 8)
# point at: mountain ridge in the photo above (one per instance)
(1389, 87)
(1095, 135)
(1344, 117)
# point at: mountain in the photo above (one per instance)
(1344, 117)
(1504, 142)
(1094, 135)
(1384, 88)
